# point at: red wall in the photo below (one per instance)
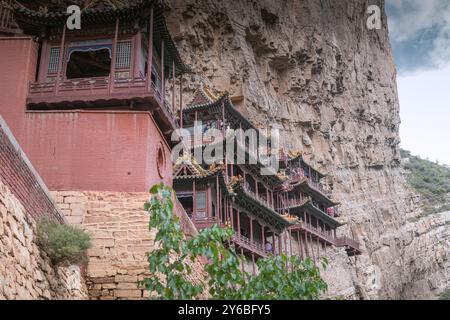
(79, 150)
(17, 173)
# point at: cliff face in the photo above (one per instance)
(330, 83)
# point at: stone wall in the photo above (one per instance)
(25, 271)
(120, 240)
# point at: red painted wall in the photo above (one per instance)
(19, 176)
(79, 150)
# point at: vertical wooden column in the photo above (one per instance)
(305, 244)
(299, 242)
(239, 222)
(181, 101)
(263, 236)
(61, 59)
(217, 200)
(150, 51)
(256, 187)
(231, 210)
(273, 242)
(112, 74)
(173, 86)
(242, 257)
(251, 229)
(194, 200)
(137, 53)
(290, 240)
(280, 244)
(254, 264)
(163, 80)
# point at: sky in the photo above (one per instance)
(420, 37)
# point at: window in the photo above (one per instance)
(161, 161)
(88, 63)
(123, 56)
(53, 60)
(201, 204)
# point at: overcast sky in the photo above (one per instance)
(420, 36)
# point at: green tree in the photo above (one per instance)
(279, 277)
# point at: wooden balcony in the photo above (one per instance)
(207, 223)
(249, 246)
(350, 245)
(325, 236)
(101, 93)
(6, 17)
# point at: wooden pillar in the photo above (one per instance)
(112, 74)
(263, 236)
(251, 229)
(273, 242)
(231, 212)
(181, 101)
(150, 51)
(137, 53)
(305, 244)
(173, 86)
(300, 249)
(256, 187)
(163, 89)
(239, 222)
(254, 264)
(280, 244)
(290, 241)
(217, 199)
(61, 58)
(194, 200)
(242, 259)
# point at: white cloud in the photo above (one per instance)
(409, 20)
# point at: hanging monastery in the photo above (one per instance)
(89, 108)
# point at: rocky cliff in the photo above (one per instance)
(315, 69)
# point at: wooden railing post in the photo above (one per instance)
(112, 75)
(61, 59)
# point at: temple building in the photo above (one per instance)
(289, 212)
(89, 108)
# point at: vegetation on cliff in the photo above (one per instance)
(430, 180)
(64, 244)
(279, 277)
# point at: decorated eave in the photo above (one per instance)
(258, 208)
(319, 214)
(205, 98)
(305, 184)
(295, 156)
(99, 12)
(186, 168)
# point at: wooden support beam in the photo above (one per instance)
(150, 51)
(163, 80)
(112, 74)
(181, 101)
(254, 264)
(61, 59)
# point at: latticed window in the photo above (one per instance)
(53, 61)
(123, 56)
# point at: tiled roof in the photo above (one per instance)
(186, 167)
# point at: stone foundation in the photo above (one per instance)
(121, 239)
(25, 271)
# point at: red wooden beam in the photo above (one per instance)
(150, 51)
(112, 74)
(61, 59)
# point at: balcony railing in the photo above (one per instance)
(99, 88)
(347, 242)
(249, 245)
(6, 16)
(258, 198)
(318, 186)
(324, 235)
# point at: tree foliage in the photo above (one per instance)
(279, 277)
(431, 180)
